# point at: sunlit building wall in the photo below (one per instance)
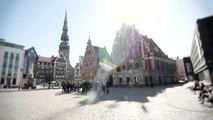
(51, 69)
(201, 49)
(181, 74)
(140, 60)
(91, 66)
(11, 64)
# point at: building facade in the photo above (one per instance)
(60, 68)
(65, 49)
(188, 68)
(92, 64)
(30, 68)
(45, 69)
(201, 49)
(11, 64)
(77, 72)
(140, 60)
(31, 57)
(51, 69)
(181, 74)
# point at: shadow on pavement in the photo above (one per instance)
(120, 94)
(59, 93)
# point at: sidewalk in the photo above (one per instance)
(38, 87)
(184, 99)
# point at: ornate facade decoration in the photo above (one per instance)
(92, 68)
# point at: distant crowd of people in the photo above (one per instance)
(205, 91)
(70, 86)
(84, 87)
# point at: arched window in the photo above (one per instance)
(118, 69)
(123, 67)
(136, 66)
(130, 66)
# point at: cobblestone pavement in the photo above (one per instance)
(169, 102)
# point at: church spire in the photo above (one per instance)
(65, 16)
(89, 41)
(64, 45)
(64, 36)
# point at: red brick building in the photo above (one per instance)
(140, 60)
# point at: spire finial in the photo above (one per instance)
(89, 41)
(65, 19)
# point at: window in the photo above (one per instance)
(11, 61)
(6, 55)
(120, 80)
(123, 67)
(130, 66)
(5, 63)
(5, 59)
(118, 69)
(12, 56)
(17, 56)
(136, 66)
(2, 80)
(14, 81)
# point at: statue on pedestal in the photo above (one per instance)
(30, 77)
(30, 69)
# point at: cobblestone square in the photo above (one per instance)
(166, 102)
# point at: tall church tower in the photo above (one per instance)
(64, 45)
(65, 49)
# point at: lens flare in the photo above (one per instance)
(92, 97)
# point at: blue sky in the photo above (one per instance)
(38, 23)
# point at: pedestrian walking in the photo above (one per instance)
(63, 86)
(107, 87)
(130, 84)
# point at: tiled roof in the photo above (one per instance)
(154, 48)
(45, 59)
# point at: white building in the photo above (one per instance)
(11, 63)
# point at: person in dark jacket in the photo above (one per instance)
(63, 86)
(107, 86)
